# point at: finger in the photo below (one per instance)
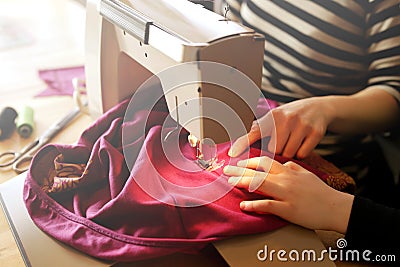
(266, 186)
(278, 140)
(293, 165)
(293, 144)
(238, 171)
(309, 144)
(266, 125)
(265, 164)
(243, 142)
(264, 206)
(260, 128)
(245, 182)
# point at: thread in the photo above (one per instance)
(7, 122)
(25, 122)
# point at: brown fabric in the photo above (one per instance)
(336, 178)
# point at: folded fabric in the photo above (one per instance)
(59, 80)
(90, 197)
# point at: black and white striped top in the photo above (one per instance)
(325, 47)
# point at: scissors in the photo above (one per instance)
(19, 160)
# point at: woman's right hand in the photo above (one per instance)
(295, 128)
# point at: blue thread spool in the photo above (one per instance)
(7, 122)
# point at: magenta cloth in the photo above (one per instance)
(109, 216)
(59, 81)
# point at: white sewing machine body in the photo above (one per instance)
(128, 41)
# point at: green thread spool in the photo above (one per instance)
(25, 122)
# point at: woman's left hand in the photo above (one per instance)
(298, 195)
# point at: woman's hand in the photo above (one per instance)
(295, 128)
(297, 195)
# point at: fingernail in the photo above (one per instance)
(231, 152)
(233, 180)
(243, 205)
(241, 163)
(228, 169)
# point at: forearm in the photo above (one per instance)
(339, 210)
(367, 111)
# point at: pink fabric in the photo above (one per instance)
(107, 215)
(59, 81)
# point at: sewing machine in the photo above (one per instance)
(214, 65)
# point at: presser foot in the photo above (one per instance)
(212, 163)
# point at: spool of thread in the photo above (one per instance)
(7, 122)
(25, 122)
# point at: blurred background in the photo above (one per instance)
(37, 35)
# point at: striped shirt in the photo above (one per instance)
(322, 47)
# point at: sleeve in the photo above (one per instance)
(374, 227)
(383, 33)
